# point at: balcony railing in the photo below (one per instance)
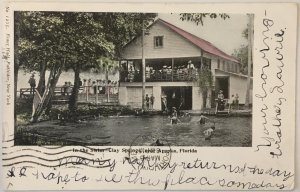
(160, 75)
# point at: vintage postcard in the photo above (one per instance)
(141, 96)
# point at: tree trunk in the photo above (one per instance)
(204, 97)
(16, 62)
(42, 81)
(106, 84)
(48, 93)
(74, 96)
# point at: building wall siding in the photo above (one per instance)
(238, 86)
(214, 65)
(157, 97)
(122, 95)
(197, 102)
(126, 91)
(173, 45)
(134, 95)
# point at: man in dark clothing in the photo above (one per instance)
(151, 101)
(147, 101)
(32, 84)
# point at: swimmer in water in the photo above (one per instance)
(174, 117)
(208, 133)
(203, 119)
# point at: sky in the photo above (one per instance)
(224, 34)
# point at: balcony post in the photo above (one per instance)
(172, 68)
(201, 59)
(143, 68)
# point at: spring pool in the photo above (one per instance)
(121, 131)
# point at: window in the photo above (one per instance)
(158, 41)
(218, 63)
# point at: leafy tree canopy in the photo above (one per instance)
(79, 37)
(199, 18)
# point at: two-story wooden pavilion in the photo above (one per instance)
(168, 50)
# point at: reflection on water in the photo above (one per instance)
(230, 131)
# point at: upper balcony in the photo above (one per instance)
(163, 75)
(163, 69)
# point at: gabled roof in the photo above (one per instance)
(198, 42)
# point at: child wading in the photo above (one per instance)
(174, 118)
(203, 119)
(208, 133)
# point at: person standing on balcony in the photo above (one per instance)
(190, 65)
(190, 68)
(164, 72)
(147, 72)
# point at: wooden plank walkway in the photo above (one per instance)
(61, 96)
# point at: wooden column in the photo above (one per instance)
(201, 59)
(172, 68)
(250, 44)
(143, 69)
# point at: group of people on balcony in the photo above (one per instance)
(183, 72)
(166, 73)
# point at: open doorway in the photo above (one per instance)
(222, 83)
(179, 97)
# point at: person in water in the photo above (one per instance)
(186, 114)
(208, 133)
(203, 119)
(174, 116)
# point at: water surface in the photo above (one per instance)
(230, 131)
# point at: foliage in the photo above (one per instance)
(89, 111)
(106, 64)
(205, 79)
(242, 55)
(199, 17)
(73, 40)
(80, 37)
(245, 33)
